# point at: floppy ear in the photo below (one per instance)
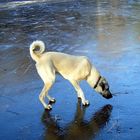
(102, 85)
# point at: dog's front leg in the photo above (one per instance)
(79, 92)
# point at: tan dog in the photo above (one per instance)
(72, 68)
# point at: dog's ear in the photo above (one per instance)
(102, 85)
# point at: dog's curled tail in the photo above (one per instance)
(36, 49)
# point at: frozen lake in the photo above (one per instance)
(107, 32)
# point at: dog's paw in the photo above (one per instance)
(86, 103)
(52, 101)
(48, 107)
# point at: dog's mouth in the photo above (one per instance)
(108, 96)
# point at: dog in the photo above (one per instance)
(72, 68)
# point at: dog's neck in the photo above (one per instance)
(94, 77)
(97, 82)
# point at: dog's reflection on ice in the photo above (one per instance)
(78, 129)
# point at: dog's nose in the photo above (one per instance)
(109, 96)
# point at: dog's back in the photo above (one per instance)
(67, 65)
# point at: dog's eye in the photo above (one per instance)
(106, 87)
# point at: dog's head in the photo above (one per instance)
(102, 87)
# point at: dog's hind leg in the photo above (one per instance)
(80, 93)
(42, 98)
(47, 74)
(51, 100)
(44, 93)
